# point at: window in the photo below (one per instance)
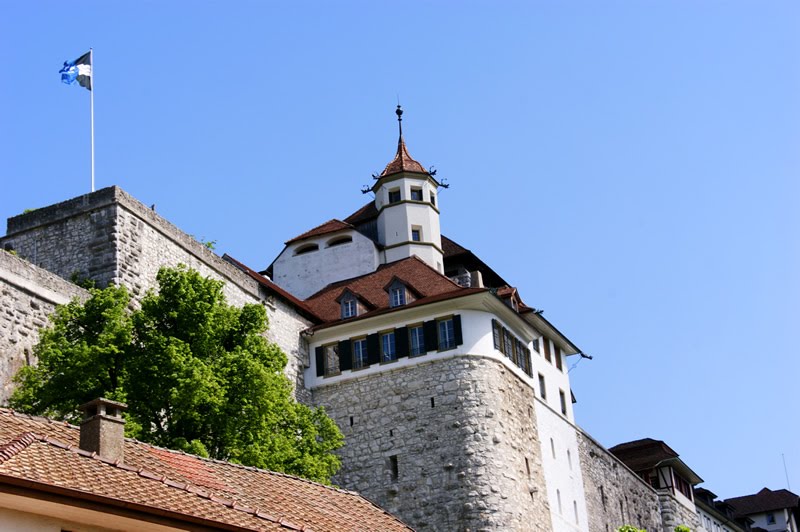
(349, 307)
(447, 335)
(388, 351)
(546, 343)
(339, 240)
(770, 518)
(563, 399)
(433, 199)
(557, 354)
(508, 343)
(416, 234)
(542, 389)
(683, 486)
(536, 345)
(360, 353)
(416, 193)
(416, 335)
(397, 296)
(307, 248)
(331, 359)
(394, 196)
(497, 335)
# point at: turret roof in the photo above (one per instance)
(402, 162)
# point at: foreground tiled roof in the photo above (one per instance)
(331, 226)
(42, 454)
(413, 272)
(764, 501)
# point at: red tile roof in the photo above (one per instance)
(402, 162)
(43, 455)
(765, 500)
(412, 272)
(364, 214)
(331, 226)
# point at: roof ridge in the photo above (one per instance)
(24, 440)
(16, 445)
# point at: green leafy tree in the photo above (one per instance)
(630, 528)
(197, 375)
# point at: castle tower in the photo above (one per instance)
(408, 219)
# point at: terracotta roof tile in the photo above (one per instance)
(331, 226)
(45, 452)
(402, 162)
(413, 272)
(765, 500)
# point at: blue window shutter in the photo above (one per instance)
(373, 349)
(401, 341)
(320, 361)
(457, 329)
(345, 356)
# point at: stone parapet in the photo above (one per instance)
(615, 495)
(28, 296)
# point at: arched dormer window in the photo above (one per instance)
(306, 248)
(339, 240)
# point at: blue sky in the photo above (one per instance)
(631, 166)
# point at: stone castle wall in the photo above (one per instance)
(110, 237)
(28, 295)
(673, 513)
(446, 445)
(615, 495)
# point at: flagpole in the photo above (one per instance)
(91, 107)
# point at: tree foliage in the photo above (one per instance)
(197, 374)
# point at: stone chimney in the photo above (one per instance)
(103, 429)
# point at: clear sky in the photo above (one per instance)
(631, 166)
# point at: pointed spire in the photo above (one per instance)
(402, 162)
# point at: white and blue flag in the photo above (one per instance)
(79, 70)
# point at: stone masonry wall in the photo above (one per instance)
(28, 295)
(443, 445)
(615, 495)
(110, 237)
(673, 513)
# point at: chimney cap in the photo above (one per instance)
(101, 406)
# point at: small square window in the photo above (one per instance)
(433, 199)
(536, 345)
(417, 340)
(394, 196)
(416, 194)
(360, 353)
(447, 335)
(416, 235)
(388, 351)
(332, 360)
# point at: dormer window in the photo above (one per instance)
(397, 295)
(348, 302)
(394, 196)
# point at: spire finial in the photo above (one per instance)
(399, 113)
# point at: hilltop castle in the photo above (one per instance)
(451, 392)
